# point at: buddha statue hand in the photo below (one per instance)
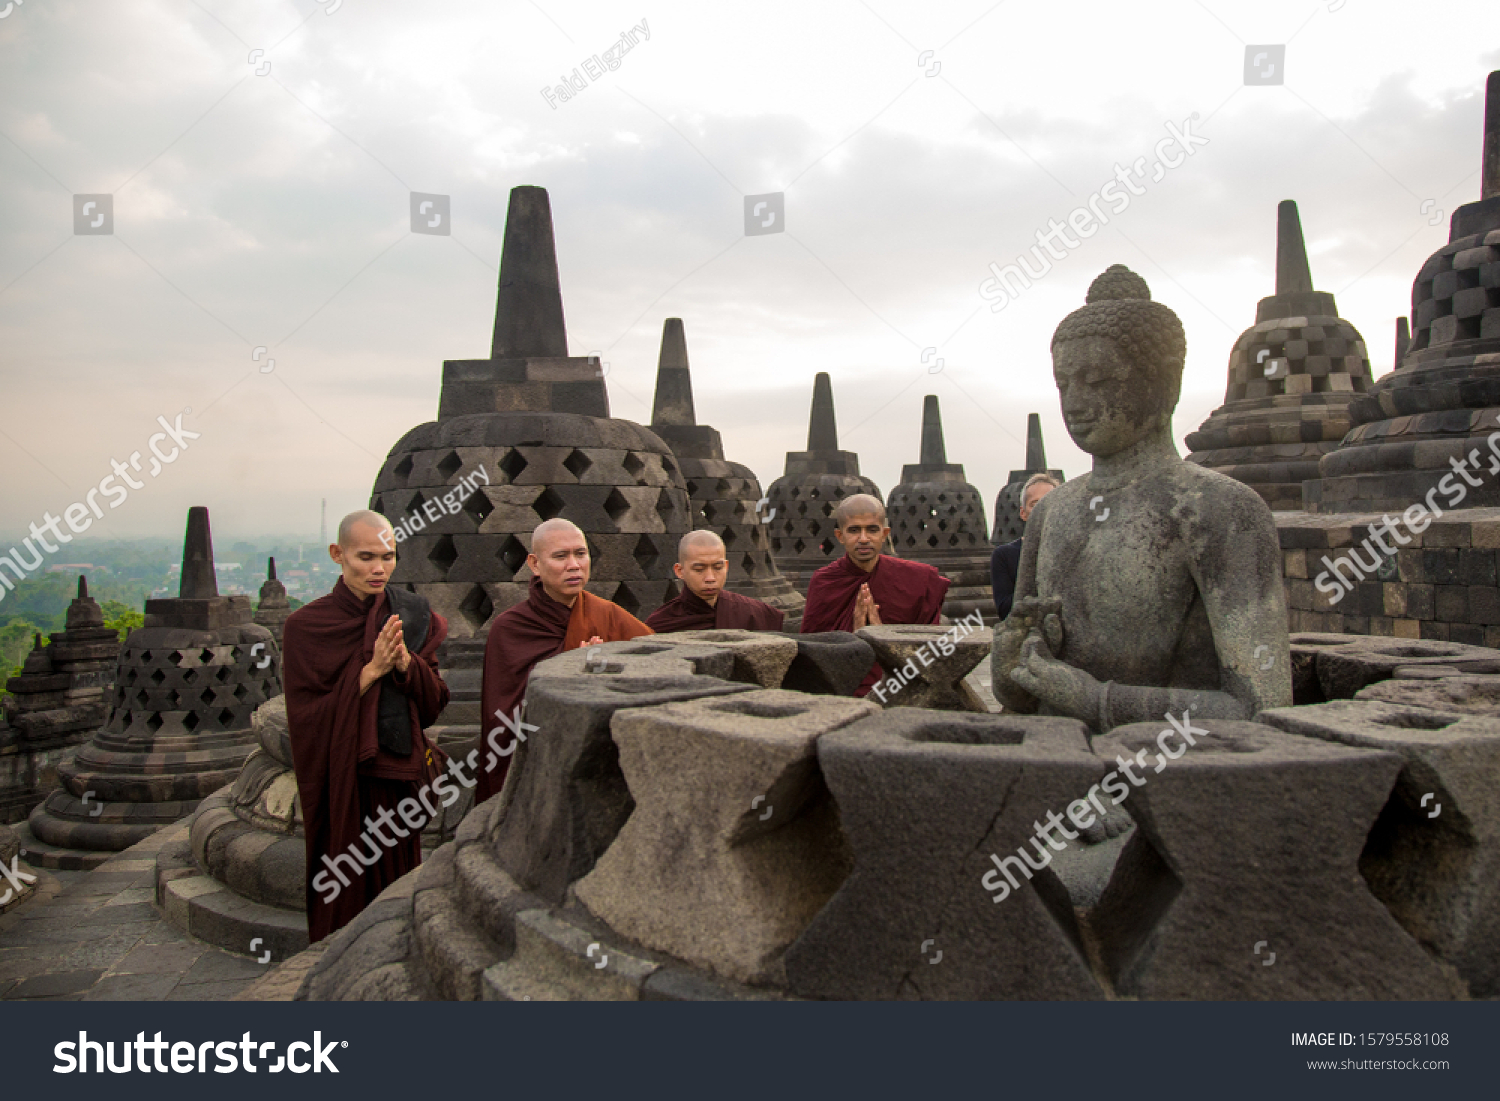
(1026, 615)
(1062, 688)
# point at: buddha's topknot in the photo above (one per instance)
(1148, 333)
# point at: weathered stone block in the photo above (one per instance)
(925, 799)
(1249, 843)
(734, 842)
(1433, 856)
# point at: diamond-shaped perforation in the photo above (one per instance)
(403, 468)
(577, 463)
(616, 505)
(625, 597)
(191, 720)
(645, 554)
(477, 506)
(449, 465)
(548, 504)
(476, 607)
(633, 466)
(513, 464)
(443, 553)
(512, 555)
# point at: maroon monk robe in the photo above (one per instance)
(906, 591)
(537, 628)
(343, 775)
(690, 612)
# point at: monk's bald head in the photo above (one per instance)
(560, 559)
(366, 518)
(365, 552)
(549, 531)
(861, 504)
(695, 541)
(702, 564)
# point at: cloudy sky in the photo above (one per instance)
(261, 201)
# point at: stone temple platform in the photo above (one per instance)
(688, 831)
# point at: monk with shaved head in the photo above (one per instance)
(703, 566)
(865, 587)
(362, 684)
(558, 614)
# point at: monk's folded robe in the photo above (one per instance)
(345, 772)
(906, 591)
(732, 611)
(531, 631)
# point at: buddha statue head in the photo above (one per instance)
(1118, 364)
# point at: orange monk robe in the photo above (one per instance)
(535, 629)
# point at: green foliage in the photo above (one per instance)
(121, 617)
(16, 639)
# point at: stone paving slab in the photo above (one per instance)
(97, 936)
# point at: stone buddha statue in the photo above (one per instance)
(1150, 585)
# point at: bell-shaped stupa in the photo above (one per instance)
(724, 495)
(1008, 523)
(526, 436)
(1292, 377)
(60, 698)
(938, 518)
(185, 687)
(1443, 401)
(801, 502)
(272, 609)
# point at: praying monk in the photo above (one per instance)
(558, 614)
(362, 683)
(1150, 586)
(865, 587)
(702, 565)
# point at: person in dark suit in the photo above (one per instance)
(1005, 560)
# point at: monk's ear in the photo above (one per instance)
(677, 569)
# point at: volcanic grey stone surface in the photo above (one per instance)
(726, 496)
(565, 798)
(937, 517)
(1433, 856)
(1440, 405)
(1462, 694)
(1335, 667)
(829, 663)
(933, 660)
(761, 658)
(925, 799)
(734, 843)
(802, 500)
(185, 688)
(1292, 376)
(1247, 844)
(536, 423)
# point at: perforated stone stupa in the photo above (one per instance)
(60, 698)
(1441, 403)
(724, 494)
(273, 608)
(938, 518)
(1008, 523)
(185, 687)
(1292, 376)
(802, 500)
(522, 437)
